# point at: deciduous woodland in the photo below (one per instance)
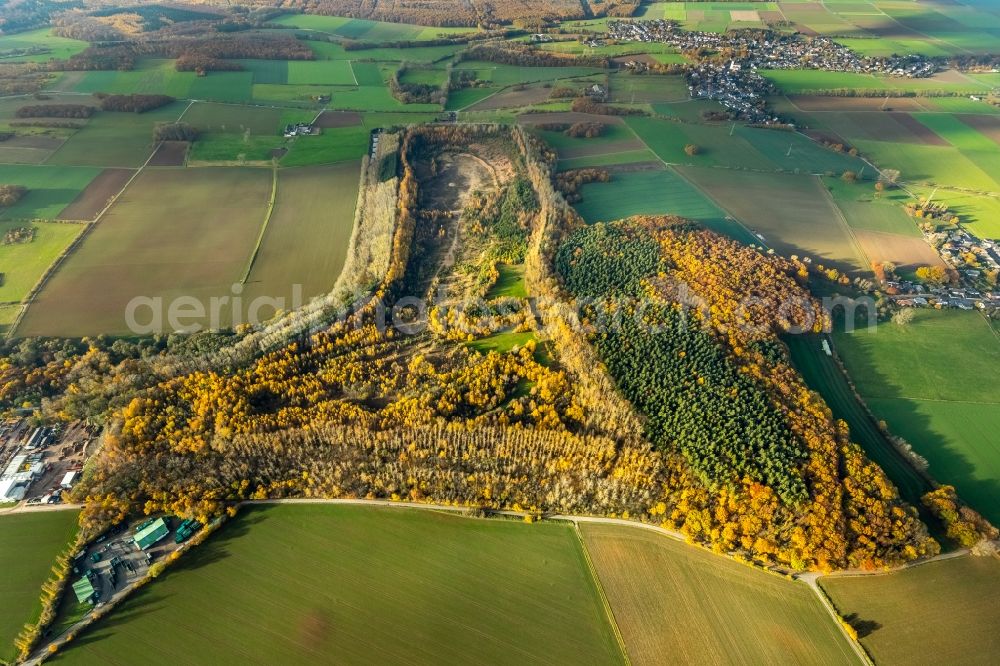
(572, 417)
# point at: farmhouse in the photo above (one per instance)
(150, 532)
(300, 129)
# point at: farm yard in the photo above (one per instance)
(935, 382)
(894, 611)
(671, 599)
(28, 545)
(408, 585)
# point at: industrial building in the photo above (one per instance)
(19, 474)
(84, 588)
(150, 532)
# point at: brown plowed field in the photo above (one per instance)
(170, 153)
(333, 119)
(988, 126)
(923, 133)
(907, 252)
(95, 197)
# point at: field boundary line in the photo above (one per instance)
(600, 592)
(845, 225)
(825, 601)
(354, 75)
(704, 193)
(263, 227)
(54, 267)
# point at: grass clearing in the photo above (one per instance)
(29, 543)
(157, 75)
(502, 343)
(936, 383)
(864, 210)
(172, 233)
(55, 48)
(410, 586)
(511, 282)
(943, 612)
(672, 599)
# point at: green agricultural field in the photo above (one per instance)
(659, 192)
(460, 99)
(115, 139)
(306, 239)
(56, 48)
(159, 76)
(940, 611)
(649, 89)
(29, 543)
(409, 586)
(615, 138)
(210, 117)
(940, 165)
(267, 71)
(50, 189)
(338, 144)
(790, 151)
(609, 159)
(936, 382)
(981, 214)
(507, 75)
(25, 263)
(372, 31)
(810, 81)
(236, 148)
(321, 72)
(806, 223)
(174, 232)
(671, 599)
(864, 210)
(717, 147)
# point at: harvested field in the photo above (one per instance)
(566, 117)
(988, 126)
(682, 605)
(923, 133)
(307, 236)
(170, 153)
(332, 119)
(31, 149)
(173, 233)
(906, 252)
(794, 214)
(97, 195)
(512, 98)
(939, 612)
(838, 104)
(744, 15)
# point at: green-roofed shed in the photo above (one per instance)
(84, 589)
(151, 533)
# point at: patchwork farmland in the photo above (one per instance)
(201, 166)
